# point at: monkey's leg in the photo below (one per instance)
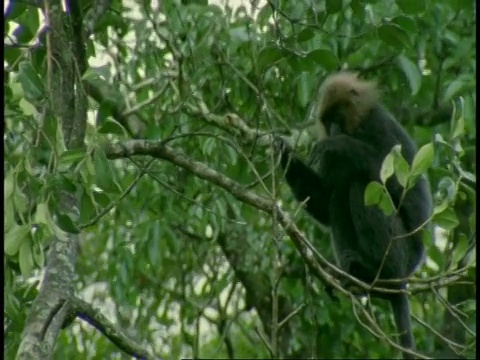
(374, 231)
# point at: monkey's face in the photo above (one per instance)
(333, 119)
(335, 129)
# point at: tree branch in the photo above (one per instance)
(94, 317)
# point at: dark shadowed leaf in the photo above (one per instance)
(31, 83)
(406, 23)
(269, 55)
(111, 126)
(334, 6)
(393, 36)
(413, 7)
(305, 34)
(66, 224)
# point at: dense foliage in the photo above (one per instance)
(180, 265)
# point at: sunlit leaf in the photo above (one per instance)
(447, 219)
(423, 159)
(377, 195)
(14, 239)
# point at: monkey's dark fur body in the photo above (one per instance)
(360, 134)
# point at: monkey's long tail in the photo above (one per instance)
(401, 313)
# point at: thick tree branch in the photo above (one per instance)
(46, 316)
(94, 317)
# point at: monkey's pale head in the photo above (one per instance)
(344, 100)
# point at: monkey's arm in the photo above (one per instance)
(339, 158)
(304, 183)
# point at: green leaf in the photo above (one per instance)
(440, 207)
(468, 5)
(110, 126)
(14, 9)
(423, 159)
(468, 110)
(377, 194)
(25, 258)
(8, 217)
(70, 158)
(393, 36)
(87, 210)
(373, 193)
(455, 87)
(301, 64)
(101, 198)
(104, 111)
(14, 239)
(438, 139)
(297, 11)
(209, 146)
(387, 169)
(447, 219)
(66, 224)
(31, 83)
(269, 55)
(413, 7)
(103, 171)
(42, 215)
(412, 72)
(437, 256)
(9, 185)
(324, 58)
(406, 23)
(334, 6)
(459, 130)
(304, 85)
(31, 20)
(38, 254)
(305, 35)
(358, 9)
(402, 169)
